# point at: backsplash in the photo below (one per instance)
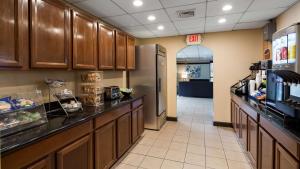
(20, 81)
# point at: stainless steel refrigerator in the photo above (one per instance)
(150, 79)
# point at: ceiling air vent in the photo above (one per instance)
(186, 13)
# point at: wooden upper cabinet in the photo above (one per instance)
(84, 41)
(50, 34)
(120, 50)
(106, 47)
(14, 33)
(130, 53)
(77, 155)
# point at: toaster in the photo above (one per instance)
(112, 92)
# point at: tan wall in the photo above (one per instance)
(289, 17)
(233, 54)
(20, 81)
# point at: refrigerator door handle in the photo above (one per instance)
(159, 84)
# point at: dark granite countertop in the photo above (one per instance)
(57, 124)
(271, 116)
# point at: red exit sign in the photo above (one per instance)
(193, 39)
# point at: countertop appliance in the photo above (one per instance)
(150, 79)
(112, 92)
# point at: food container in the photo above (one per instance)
(92, 99)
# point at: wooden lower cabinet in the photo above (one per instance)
(283, 160)
(41, 164)
(244, 128)
(237, 120)
(105, 146)
(233, 114)
(77, 155)
(134, 125)
(265, 150)
(123, 133)
(140, 120)
(252, 140)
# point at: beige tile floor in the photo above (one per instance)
(191, 143)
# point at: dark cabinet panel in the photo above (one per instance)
(123, 134)
(232, 107)
(237, 120)
(130, 53)
(77, 155)
(106, 48)
(105, 146)
(244, 128)
(84, 41)
(14, 49)
(265, 150)
(134, 125)
(120, 50)
(41, 164)
(140, 120)
(252, 140)
(50, 34)
(283, 160)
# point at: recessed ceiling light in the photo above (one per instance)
(160, 27)
(137, 3)
(222, 20)
(151, 18)
(227, 7)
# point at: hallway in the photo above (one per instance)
(191, 143)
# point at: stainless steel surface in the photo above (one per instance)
(149, 79)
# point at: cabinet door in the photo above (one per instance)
(41, 164)
(84, 41)
(106, 47)
(50, 34)
(120, 50)
(105, 146)
(123, 133)
(244, 128)
(252, 140)
(233, 115)
(130, 53)
(283, 160)
(14, 41)
(76, 155)
(265, 150)
(237, 120)
(134, 125)
(140, 120)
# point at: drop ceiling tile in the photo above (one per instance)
(269, 4)
(250, 25)
(101, 8)
(191, 30)
(160, 15)
(231, 19)
(122, 21)
(168, 28)
(219, 28)
(261, 15)
(141, 34)
(214, 8)
(193, 23)
(148, 5)
(199, 11)
(173, 3)
(134, 28)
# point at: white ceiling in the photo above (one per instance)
(245, 14)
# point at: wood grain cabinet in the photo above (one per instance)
(77, 155)
(41, 164)
(50, 34)
(134, 125)
(232, 107)
(283, 160)
(252, 140)
(106, 47)
(140, 120)
(84, 41)
(265, 150)
(105, 146)
(130, 53)
(120, 50)
(244, 128)
(14, 49)
(123, 134)
(237, 120)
